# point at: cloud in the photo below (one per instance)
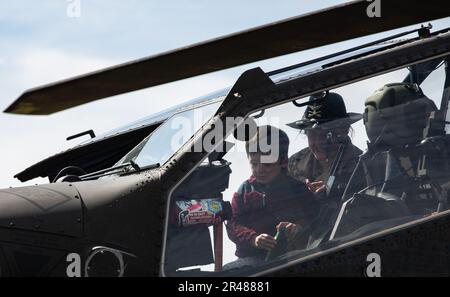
(43, 65)
(32, 67)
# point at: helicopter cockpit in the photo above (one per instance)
(404, 181)
(232, 213)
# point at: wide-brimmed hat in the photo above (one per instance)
(327, 111)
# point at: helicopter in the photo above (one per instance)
(134, 202)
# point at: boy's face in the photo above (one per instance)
(264, 173)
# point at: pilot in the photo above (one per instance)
(327, 125)
(268, 200)
(397, 118)
(405, 166)
(396, 115)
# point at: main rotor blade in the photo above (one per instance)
(338, 23)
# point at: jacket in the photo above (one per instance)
(258, 208)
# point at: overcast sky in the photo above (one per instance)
(40, 43)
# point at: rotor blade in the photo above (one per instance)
(338, 23)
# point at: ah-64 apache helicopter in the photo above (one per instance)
(134, 202)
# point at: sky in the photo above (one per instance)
(40, 42)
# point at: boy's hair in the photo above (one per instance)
(268, 140)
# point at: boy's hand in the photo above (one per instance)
(291, 228)
(265, 242)
(315, 187)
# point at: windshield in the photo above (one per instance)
(159, 146)
(360, 159)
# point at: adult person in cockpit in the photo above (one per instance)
(327, 124)
(327, 163)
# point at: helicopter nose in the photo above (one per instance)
(54, 208)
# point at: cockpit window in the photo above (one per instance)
(359, 159)
(159, 146)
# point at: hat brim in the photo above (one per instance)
(351, 118)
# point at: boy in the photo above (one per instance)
(269, 199)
